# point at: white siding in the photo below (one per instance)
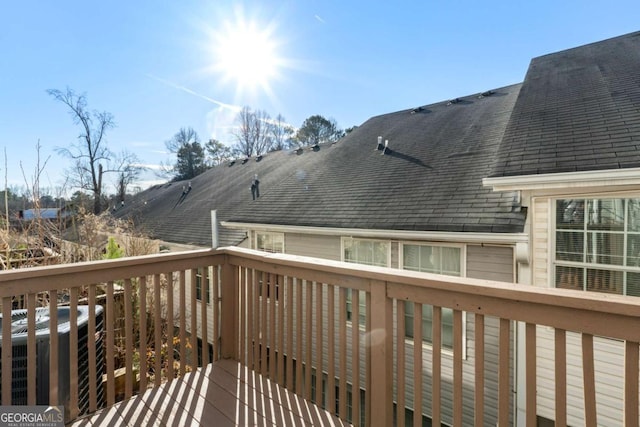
(608, 354)
(490, 262)
(176, 306)
(541, 241)
(609, 370)
(326, 247)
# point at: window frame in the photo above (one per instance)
(463, 273)
(203, 272)
(343, 241)
(362, 295)
(273, 235)
(584, 274)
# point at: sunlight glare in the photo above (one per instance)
(246, 55)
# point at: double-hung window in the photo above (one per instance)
(364, 251)
(438, 259)
(597, 245)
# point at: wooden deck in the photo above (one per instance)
(224, 393)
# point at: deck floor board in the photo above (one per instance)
(224, 393)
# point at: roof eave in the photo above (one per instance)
(566, 180)
(466, 237)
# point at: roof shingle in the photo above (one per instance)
(578, 110)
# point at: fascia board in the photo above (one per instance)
(467, 237)
(566, 180)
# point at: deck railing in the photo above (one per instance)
(332, 332)
(141, 310)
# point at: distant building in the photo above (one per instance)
(45, 213)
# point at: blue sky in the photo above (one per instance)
(157, 66)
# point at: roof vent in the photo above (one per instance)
(386, 147)
(453, 101)
(245, 160)
(232, 162)
(487, 93)
(417, 110)
(379, 146)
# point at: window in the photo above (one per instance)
(431, 259)
(597, 245)
(369, 252)
(270, 242)
(199, 283)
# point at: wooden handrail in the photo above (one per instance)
(286, 317)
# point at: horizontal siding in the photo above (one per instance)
(541, 244)
(326, 247)
(609, 371)
(490, 262)
(176, 308)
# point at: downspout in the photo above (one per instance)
(215, 242)
(523, 275)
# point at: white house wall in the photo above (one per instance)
(326, 247)
(176, 309)
(608, 354)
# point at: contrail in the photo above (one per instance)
(189, 91)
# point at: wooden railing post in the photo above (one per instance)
(229, 306)
(381, 347)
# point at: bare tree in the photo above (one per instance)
(253, 134)
(281, 133)
(183, 136)
(90, 154)
(244, 133)
(129, 169)
(262, 132)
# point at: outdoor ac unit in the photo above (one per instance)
(19, 342)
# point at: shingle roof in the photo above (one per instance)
(578, 110)
(164, 213)
(431, 180)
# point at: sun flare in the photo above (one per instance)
(246, 55)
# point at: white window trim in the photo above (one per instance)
(210, 286)
(463, 273)
(553, 227)
(271, 233)
(342, 247)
